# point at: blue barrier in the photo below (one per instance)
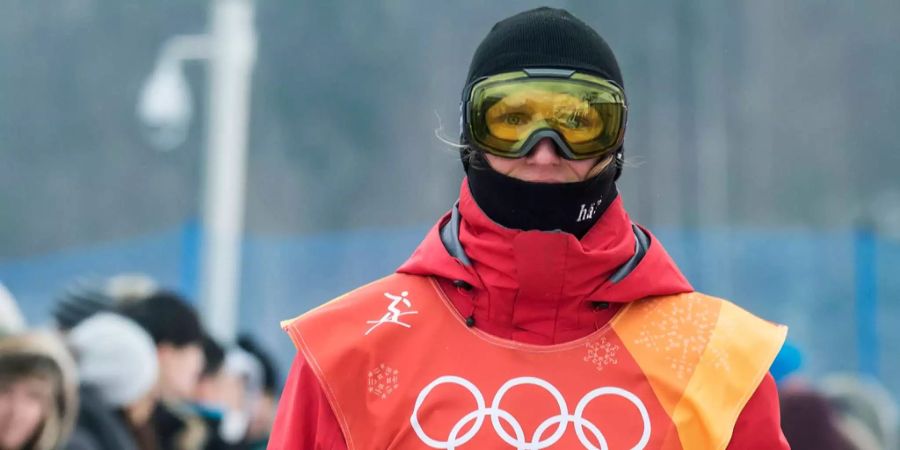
(835, 289)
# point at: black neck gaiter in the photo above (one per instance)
(570, 207)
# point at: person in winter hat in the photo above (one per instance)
(264, 407)
(38, 392)
(226, 394)
(176, 330)
(119, 371)
(534, 314)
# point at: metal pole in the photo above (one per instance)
(233, 52)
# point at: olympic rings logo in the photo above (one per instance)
(538, 442)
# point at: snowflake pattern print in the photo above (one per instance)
(383, 381)
(679, 330)
(601, 353)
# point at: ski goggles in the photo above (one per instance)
(507, 114)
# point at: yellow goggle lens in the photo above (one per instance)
(586, 111)
(517, 115)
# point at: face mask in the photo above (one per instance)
(569, 207)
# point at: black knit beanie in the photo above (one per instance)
(543, 37)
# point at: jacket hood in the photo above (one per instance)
(545, 282)
(61, 417)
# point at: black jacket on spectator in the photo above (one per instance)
(99, 426)
(178, 428)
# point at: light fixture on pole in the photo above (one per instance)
(165, 107)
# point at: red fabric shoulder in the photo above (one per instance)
(759, 425)
(305, 420)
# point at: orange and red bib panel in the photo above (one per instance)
(403, 371)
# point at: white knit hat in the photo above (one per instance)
(116, 356)
(11, 320)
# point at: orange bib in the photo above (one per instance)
(403, 371)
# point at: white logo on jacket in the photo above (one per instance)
(588, 210)
(393, 313)
(519, 441)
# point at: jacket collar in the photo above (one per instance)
(544, 281)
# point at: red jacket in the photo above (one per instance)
(528, 286)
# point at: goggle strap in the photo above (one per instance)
(549, 73)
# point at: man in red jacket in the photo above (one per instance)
(535, 314)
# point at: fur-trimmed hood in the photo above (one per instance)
(61, 417)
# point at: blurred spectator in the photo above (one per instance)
(80, 300)
(38, 399)
(809, 421)
(214, 359)
(245, 378)
(262, 415)
(118, 369)
(84, 298)
(175, 328)
(867, 411)
(218, 396)
(236, 395)
(11, 320)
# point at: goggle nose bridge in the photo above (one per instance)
(562, 148)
